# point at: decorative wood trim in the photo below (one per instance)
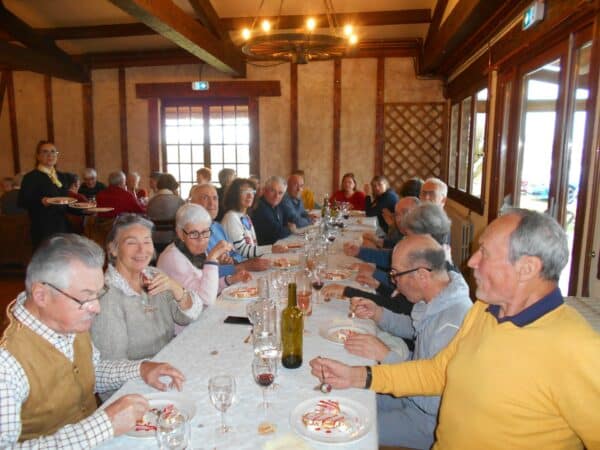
(88, 124)
(208, 17)
(171, 22)
(337, 116)
(3, 83)
(123, 119)
(473, 203)
(254, 136)
(294, 115)
(12, 117)
(49, 108)
(217, 89)
(379, 116)
(436, 20)
(154, 135)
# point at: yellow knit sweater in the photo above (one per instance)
(507, 387)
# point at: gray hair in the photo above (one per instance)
(428, 218)
(441, 186)
(123, 222)
(116, 178)
(51, 262)
(434, 258)
(191, 213)
(539, 235)
(90, 172)
(276, 179)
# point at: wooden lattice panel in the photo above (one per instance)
(414, 141)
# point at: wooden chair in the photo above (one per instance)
(97, 229)
(15, 240)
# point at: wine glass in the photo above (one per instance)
(303, 293)
(318, 275)
(221, 390)
(264, 371)
(173, 430)
(147, 276)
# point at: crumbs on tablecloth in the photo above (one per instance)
(266, 428)
(214, 352)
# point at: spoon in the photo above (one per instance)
(324, 387)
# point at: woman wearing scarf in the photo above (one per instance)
(186, 260)
(37, 187)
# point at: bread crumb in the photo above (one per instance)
(266, 428)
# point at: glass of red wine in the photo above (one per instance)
(264, 371)
(317, 282)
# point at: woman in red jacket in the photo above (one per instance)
(349, 194)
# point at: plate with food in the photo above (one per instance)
(337, 275)
(339, 333)
(161, 402)
(240, 293)
(285, 263)
(331, 420)
(60, 200)
(101, 209)
(82, 205)
(357, 213)
(294, 245)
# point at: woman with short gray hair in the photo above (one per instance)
(186, 260)
(139, 314)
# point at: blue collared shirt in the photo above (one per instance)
(296, 211)
(217, 233)
(532, 313)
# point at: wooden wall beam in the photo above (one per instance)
(42, 54)
(154, 135)
(49, 108)
(12, 117)
(379, 116)
(123, 119)
(230, 89)
(337, 119)
(253, 115)
(88, 124)
(167, 19)
(294, 115)
(3, 83)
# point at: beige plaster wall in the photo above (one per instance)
(402, 84)
(67, 105)
(30, 106)
(357, 128)
(315, 125)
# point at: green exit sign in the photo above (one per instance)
(533, 14)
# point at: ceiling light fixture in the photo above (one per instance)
(315, 41)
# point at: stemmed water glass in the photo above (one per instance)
(221, 390)
(264, 371)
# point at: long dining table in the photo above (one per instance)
(210, 347)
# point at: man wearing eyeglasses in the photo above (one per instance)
(271, 220)
(441, 301)
(49, 368)
(522, 370)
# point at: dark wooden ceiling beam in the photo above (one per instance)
(234, 89)
(464, 20)
(42, 54)
(400, 17)
(208, 17)
(170, 21)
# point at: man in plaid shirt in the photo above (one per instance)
(49, 368)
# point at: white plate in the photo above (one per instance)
(356, 417)
(285, 262)
(337, 333)
(159, 401)
(61, 200)
(240, 293)
(337, 275)
(82, 205)
(101, 210)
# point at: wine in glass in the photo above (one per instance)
(173, 430)
(264, 371)
(303, 293)
(221, 390)
(317, 282)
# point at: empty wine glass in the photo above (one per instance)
(221, 390)
(173, 430)
(264, 371)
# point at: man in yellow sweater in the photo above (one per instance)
(522, 371)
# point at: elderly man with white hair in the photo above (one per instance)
(187, 261)
(90, 186)
(271, 220)
(522, 371)
(118, 197)
(435, 191)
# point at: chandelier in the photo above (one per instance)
(265, 40)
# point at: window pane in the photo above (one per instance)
(229, 115)
(171, 135)
(183, 115)
(196, 113)
(173, 169)
(170, 116)
(197, 134)
(185, 173)
(172, 153)
(216, 134)
(216, 154)
(198, 153)
(185, 154)
(185, 135)
(453, 148)
(229, 153)
(229, 134)
(243, 134)
(465, 127)
(216, 115)
(243, 170)
(243, 154)
(184, 190)
(241, 115)
(478, 143)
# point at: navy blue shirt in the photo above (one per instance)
(295, 210)
(533, 312)
(375, 207)
(270, 223)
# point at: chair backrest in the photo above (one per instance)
(164, 225)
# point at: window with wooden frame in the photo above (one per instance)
(201, 133)
(466, 149)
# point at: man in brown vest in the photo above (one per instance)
(49, 368)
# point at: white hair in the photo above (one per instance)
(191, 213)
(441, 186)
(89, 173)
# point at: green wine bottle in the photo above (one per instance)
(292, 328)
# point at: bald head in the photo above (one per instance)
(295, 185)
(402, 208)
(206, 195)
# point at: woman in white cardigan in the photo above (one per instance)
(237, 223)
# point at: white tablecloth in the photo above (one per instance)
(209, 347)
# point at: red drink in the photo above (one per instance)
(265, 379)
(303, 300)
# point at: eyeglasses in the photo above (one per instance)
(248, 191)
(83, 304)
(394, 274)
(197, 234)
(49, 152)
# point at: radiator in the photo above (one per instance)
(461, 237)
